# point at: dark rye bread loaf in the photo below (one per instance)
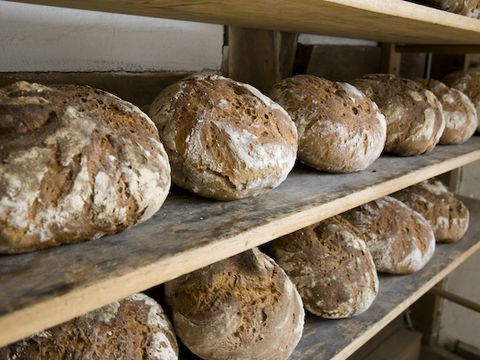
(470, 8)
(225, 140)
(459, 112)
(134, 328)
(76, 163)
(414, 115)
(244, 307)
(469, 84)
(339, 129)
(331, 267)
(447, 215)
(400, 240)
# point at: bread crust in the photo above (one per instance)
(225, 140)
(134, 328)
(460, 115)
(448, 216)
(340, 130)
(331, 267)
(400, 240)
(414, 115)
(76, 163)
(244, 307)
(470, 8)
(469, 84)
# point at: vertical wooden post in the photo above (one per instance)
(390, 62)
(260, 57)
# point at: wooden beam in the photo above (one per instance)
(438, 49)
(390, 61)
(457, 299)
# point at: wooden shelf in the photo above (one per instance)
(338, 339)
(396, 21)
(44, 288)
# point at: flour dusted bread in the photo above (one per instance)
(225, 140)
(76, 163)
(470, 8)
(244, 307)
(447, 215)
(331, 267)
(459, 112)
(414, 115)
(400, 240)
(340, 130)
(469, 84)
(134, 328)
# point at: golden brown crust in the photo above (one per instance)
(469, 84)
(339, 128)
(75, 163)
(331, 267)
(225, 140)
(470, 8)
(400, 240)
(134, 328)
(460, 115)
(447, 215)
(414, 115)
(244, 307)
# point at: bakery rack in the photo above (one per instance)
(44, 288)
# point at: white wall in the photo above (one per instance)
(42, 38)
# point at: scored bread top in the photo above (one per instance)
(75, 163)
(224, 139)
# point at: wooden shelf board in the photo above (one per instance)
(338, 339)
(395, 21)
(44, 288)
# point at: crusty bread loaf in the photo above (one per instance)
(76, 163)
(447, 215)
(134, 328)
(244, 307)
(339, 129)
(470, 8)
(331, 267)
(469, 84)
(400, 240)
(225, 140)
(414, 115)
(459, 112)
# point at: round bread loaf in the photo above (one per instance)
(225, 140)
(339, 129)
(470, 8)
(414, 115)
(469, 84)
(76, 163)
(400, 240)
(244, 307)
(134, 328)
(331, 267)
(459, 112)
(447, 215)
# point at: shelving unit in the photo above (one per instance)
(44, 288)
(394, 21)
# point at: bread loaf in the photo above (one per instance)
(76, 163)
(414, 115)
(225, 140)
(339, 129)
(134, 328)
(470, 8)
(331, 267)
(459, 112)
(244, 307)
(447, 215)
(469, 84)
(400, 240)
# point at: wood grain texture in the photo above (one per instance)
(326, 339)
(388, 21)
(44, 288)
